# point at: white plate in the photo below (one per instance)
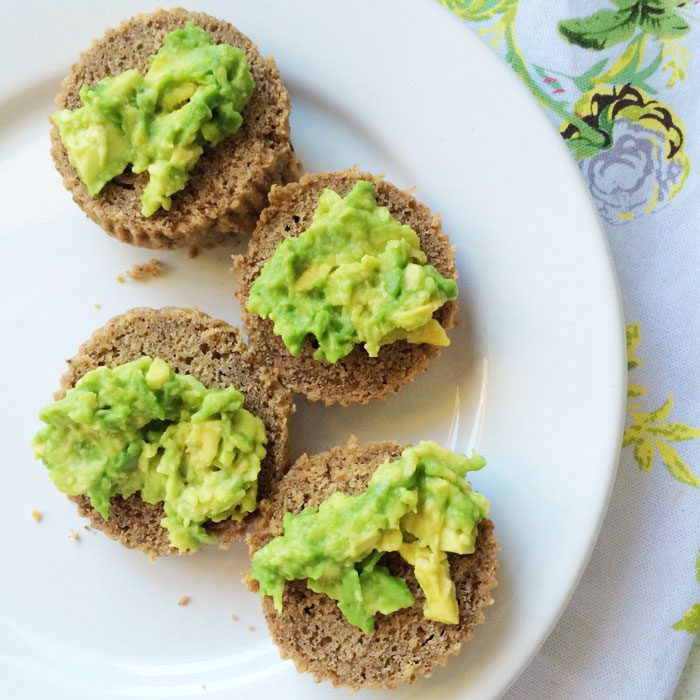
(534, 378)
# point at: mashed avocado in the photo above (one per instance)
(192, 94)
(356, 275)
(419, 505)
(141, 427)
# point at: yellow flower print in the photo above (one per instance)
(648, 432)
(642, 164)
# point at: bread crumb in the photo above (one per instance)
(36, 515)
(120, 278)
(73, 535)
(98, 306)
(141, 272)
(251, 628)
(152, 558)
(235, 617)
(185, 600)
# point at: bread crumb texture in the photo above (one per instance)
(311, 630)
(228, 186)
(213, 352)
(36, 516)
(184, 600)
(357, 377)
(141, 272)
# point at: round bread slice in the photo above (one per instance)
(228, 186)
(214, 353)
(357, 377)
(313, 632)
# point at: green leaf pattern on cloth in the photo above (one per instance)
(628, 140)
(607, 28)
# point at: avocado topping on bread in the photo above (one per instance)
(196, 347)
(419, 505)
(356, 275)
(140, 427)
(357, 377)
(228, 186)
(192, 95)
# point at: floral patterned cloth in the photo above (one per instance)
(621, 82)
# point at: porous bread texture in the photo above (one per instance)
(228, 186)
(357, 377)
(311, 630)
(214, 353)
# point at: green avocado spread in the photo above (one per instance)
(140, 427)
(356, 275)
(419, 505)
(192, 95)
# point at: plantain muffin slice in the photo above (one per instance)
(312, 631)
(228, 186)
(213, 353)
(357, 377)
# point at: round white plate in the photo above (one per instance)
(534, 378)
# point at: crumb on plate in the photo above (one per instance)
(36, 516)
(140, 272)
(184, 600)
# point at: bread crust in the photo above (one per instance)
(355, 378)
(311, 630)
(228, 186)
(214, 353)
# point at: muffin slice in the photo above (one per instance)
(228, 186)
(200, 350)
(321, 367)
(312, 628)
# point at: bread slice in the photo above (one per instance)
(312, 631)
(356, 378)
(228, 187)
(214, 353)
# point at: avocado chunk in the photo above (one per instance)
(356, 275)
(420, 505)
(192, 95)
(143, 428)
